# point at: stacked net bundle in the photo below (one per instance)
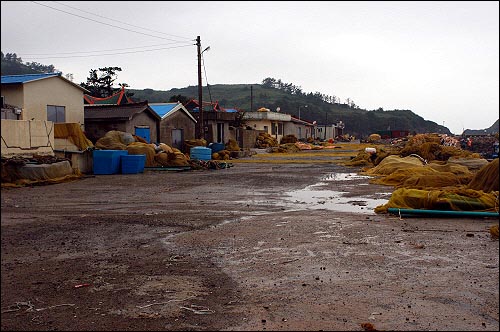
(232, 145)
(412, 172)
(430, 147)
(421, 178)
(191, 143)
(143, 148)
(221, 155)
(115, 140)
(171, 159)
(445, 200)
(264, 140)
(486, 179)
(73, 132)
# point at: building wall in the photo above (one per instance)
(144, 119)
(14, 95)
(52, 91)
(246, 138)
(26, 138)
(178, 120)
(291, 128)
(326, 132)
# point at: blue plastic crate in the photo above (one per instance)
(200, 153)
(133, 163)
(107, 161)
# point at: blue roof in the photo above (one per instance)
(231, 110)
(12, 79)
(163, 109)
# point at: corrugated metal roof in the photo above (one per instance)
(16, 79)
(163, 109)
(124, 112)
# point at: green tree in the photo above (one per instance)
(178, 98)
(100, 82)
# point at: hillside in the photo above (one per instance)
(358, 122)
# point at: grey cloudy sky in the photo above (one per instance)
(438, 59)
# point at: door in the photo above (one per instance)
(177, 138)
(143, 131)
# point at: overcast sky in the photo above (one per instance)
(438, 59)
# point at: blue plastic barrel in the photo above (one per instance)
(216, 147)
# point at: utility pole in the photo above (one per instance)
(251, 98)
(201, 125)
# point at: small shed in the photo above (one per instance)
(176, 125)
(134, 118)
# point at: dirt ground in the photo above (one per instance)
(229, 250)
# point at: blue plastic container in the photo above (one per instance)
(200, 153)
(216, 147)
(133, 163)
(107, 161)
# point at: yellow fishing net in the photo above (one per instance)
(447, 200)
(73, 132)
(486, 179)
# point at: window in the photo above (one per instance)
(56, 113)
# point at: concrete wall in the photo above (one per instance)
(26, 138)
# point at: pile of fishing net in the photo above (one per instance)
(284, 148)
(479, 194)
(363, 158)
(156, 155)
(232, 145)
(413, 172)
(264, 140)
(72, 132)
(221, 155)
(115, 140)
(289, 139)
(374, 138)
(191, 143)
(37, 170)
(460, 199)
(429, 147)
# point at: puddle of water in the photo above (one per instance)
(311, 198)
(330, 200)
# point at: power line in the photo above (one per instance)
(111, 50)
(111, 25)
(206, 78)
(82, 56)
(135, 26)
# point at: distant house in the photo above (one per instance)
(272, 123)
(176, 124)
(300, 128)
(134, 118)
(329, 131)
(217, 121)
(44, 97)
